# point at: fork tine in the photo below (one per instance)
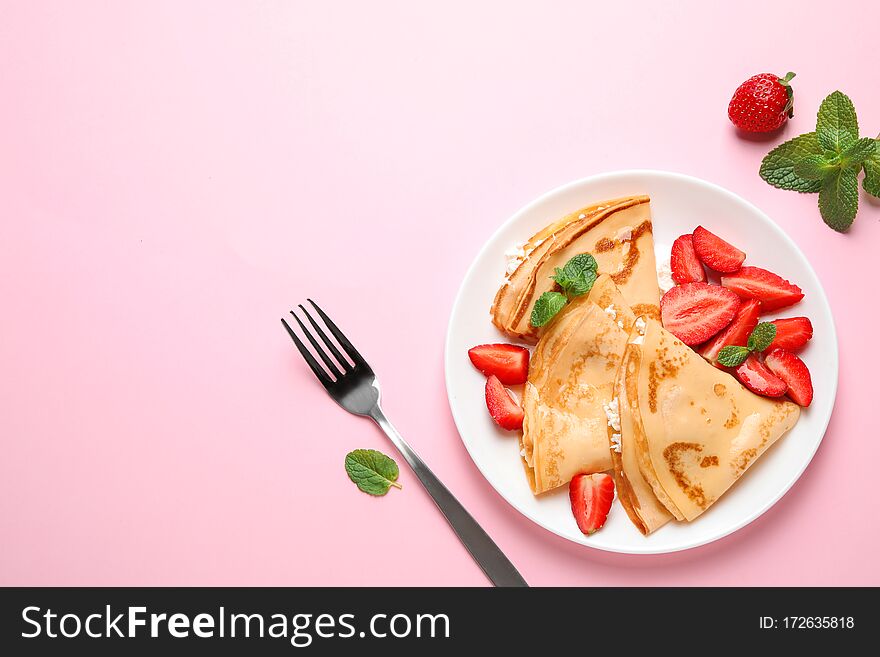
(347, 346)
(317, 369)
(324, 357)
(332, 347)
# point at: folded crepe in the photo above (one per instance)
(570, 384)
(617, 233)
(696, 429)
(634, 492)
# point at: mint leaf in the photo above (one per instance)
(837, 113)
(372, 471)
(761, 337)
(859, 151)
(871, 183)
(578, 275)
(580, 263)
(839, 198)
(547, 305)
(813, 167)
(778, 165)
(731, 356)
(582, 284)
(835, 140)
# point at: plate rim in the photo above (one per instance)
(598, 178)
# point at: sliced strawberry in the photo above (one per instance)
(759, 379)
(794, 372)
(715, 252)
(737, 332)
(772, 291)
(686, 266)
(791, 334)
(591, 497)
(502, 407)
(694, 312)
(509, 362)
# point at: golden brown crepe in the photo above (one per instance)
(617, 233)
(700, 428)
(571, 380)
(635, 494)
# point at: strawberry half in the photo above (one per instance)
(737, 333)
(694, 312)
(757, 378)
(716, 253)
(509, 362)
(794, 372)
(591, 497)
(774, 292)
(791, 334)
(502, 407)
(686, 266)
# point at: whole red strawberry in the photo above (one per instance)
(762, 103)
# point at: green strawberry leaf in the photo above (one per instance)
(835, 140)
(871, 183)
(839, 198)
(860, 151)
(778, 166)
(813, 167)
(546, 307)
(837, 113)
(761, 337)
(372, 471)
(731, 356)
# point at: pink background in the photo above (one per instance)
(174, 176)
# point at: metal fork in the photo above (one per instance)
(354, 387)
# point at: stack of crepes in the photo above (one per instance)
(609, 389)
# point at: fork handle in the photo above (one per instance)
(482, 548)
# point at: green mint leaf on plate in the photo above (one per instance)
(578, 275)
(871, 183)
(547, 305)
(813, 167)
(839, 198)
(582, 284)
(835, 140)
(860, 151)
(778, 166)
(372, 471)
(731, 356)
(761, 337)
(837, 113)
(580, 263)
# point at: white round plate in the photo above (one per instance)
(678, 204)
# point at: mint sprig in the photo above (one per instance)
(828, 161)
(578, 275)
(575, 278)
(759, 339)
(372, 471)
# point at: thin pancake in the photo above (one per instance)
(635, 494)
(571, 379)
(701, 428)
(619, 235)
